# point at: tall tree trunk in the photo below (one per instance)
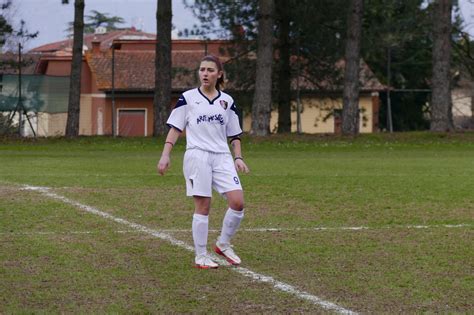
(162, 96)
(350, 107)
(441, 106)
(262, 100)
(284, 70)
(73, 112)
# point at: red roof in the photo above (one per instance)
(135, 69)
(105, 39)
(368, 82)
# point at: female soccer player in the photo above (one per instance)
(210, 118)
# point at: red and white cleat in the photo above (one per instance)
(205, 262)
(227, 251)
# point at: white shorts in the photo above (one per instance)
(205, 170)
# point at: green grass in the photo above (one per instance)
(56, 258)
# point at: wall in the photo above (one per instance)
(62, 67)
(317, 115)
(463, 108)
(51, 125)
(85, 115)
(101, 110)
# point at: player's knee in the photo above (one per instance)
(237, 205)
(202, 209)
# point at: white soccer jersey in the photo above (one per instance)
(208, 123)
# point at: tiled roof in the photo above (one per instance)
(367, 80)
(105, 40)
(135, 69)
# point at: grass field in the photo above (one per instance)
(377, 224)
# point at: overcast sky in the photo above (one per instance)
(50, 17)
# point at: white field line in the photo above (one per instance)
(341, 228)
(243, 271)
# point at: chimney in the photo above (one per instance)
(95, 47)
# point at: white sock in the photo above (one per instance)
(200, 231)
(230, 225)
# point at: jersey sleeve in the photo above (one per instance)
(177, 117)
(233, 125)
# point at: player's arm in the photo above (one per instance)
(238, 159)
(165, 162)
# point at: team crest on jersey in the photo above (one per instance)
(223, 104)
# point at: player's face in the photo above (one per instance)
(208, 74)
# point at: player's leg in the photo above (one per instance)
(200, 232)
(230, 225)
(226, 181)
(198, 177)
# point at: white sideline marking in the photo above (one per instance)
(243, 271)
(341, 228)
(356, 228)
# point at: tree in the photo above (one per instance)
(262, 101)
(397, 48)
(350, 109)
(72, 124)
(162, 95)
(441, 105)
(283, 14)
(5, 27)
(96, 19)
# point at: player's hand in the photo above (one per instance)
(163, 164)
(240, 166)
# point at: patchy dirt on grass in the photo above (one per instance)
(375, 271)
(128, 273)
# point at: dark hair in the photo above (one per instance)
(212, 58)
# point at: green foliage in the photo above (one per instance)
(317, 34)
(96, 19)
(404, 28)
(5, 28)
(235, 19)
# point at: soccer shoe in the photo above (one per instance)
(227, 251)
(205, 262)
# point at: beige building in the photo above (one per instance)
(323, 115)
(463, 104)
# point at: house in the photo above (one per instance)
(131, 92)
(462, 96)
